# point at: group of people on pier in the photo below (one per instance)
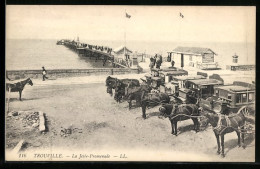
(96, 47)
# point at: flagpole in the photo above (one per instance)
(125, 35)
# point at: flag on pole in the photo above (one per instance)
(127, 15)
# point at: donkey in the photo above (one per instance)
(136, 93)
(18, 87)
(182, 112)
(152, 100)
(223, 124)
(112, 83)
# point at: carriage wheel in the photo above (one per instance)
(246, 111)
(250, 122)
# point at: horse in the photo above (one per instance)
(149, 100)
(18, 87)
(223, 124)
(121, 86)
(135, 93)
(119, 91)
(112, 83)
(182, 112)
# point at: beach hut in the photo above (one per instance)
(202, 58)
(122, 55)
(121, 51)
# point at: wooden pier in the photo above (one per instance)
(93, 51)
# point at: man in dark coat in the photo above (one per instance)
(151, 63)
(158, 62)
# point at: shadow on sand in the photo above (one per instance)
(186, 128)
(231, 144)
(153, 114)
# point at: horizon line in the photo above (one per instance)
(132, 40)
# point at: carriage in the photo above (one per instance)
(178, 82)
(226, 99)
(159, 77)
(193, 89)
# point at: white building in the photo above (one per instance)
(202, 58)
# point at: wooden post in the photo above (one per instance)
(18, 147)
(42, 122)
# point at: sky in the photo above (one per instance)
(147, 23)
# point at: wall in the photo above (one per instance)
(17, 74)
(208, 58)
(177, 59)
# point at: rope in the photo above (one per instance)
(190, 116)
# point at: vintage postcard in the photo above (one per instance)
(130, 83)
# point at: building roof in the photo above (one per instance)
(175, 73)
(122, 48)
(193, 50)
(234, 88)
(204, 82)
(189, 77)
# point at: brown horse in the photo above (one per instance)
(112, 83)
(149, 100)
(121, 86)
(18, 86)
(182, 112)
(223, 124)
(135, 93)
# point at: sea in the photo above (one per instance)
(32, 54)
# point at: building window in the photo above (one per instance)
(190, 57)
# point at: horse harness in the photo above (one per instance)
(219, 128)
(181, 109)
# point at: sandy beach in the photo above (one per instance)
(102, 125)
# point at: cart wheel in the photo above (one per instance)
(244, 110)
(247, 111)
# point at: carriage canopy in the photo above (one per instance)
(237, 94)
(203, 87)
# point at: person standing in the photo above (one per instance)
(154, 59)
(151, 63)
(158, 62)
(173, 63)
(44, 73)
